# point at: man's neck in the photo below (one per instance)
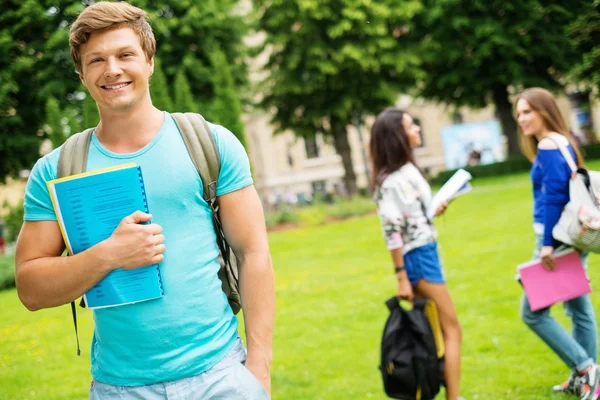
(130, 130)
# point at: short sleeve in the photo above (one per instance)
(37, 204)
(235, 167)
(391, 217)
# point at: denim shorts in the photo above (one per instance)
(227, 380)
(424, 263)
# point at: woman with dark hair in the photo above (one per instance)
(541, 127)
(402, 196)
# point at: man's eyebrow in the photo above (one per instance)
(119, 50)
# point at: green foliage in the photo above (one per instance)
(285, 216)
(54, 126)
(34, 64)
(226, 107)
(332, 61)
(7, 272)
(473, 51)
(13, 220)
(159, 89)
(184, 101)
(586, 32)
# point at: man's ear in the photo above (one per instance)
(151, 64)
(80, 74)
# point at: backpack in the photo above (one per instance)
(412, 351)
(579, 222)
(203, 151)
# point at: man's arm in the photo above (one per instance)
(243, 223)
(44, 279)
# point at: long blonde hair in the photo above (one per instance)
(541, 101)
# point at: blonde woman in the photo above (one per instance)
(538, 116)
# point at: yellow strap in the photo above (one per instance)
(432, 315)
(418, 393)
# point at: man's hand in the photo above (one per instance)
(133, 245)
(261, 369)
(547, 259)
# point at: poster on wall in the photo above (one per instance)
(477, 143)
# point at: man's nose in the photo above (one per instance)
(113, 68)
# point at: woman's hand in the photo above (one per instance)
(405, 291)
(547, 258)
(441, 209)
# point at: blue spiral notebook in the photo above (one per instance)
(89, 207)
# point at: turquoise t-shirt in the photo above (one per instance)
(192, 327)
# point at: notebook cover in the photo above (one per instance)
(545, 288)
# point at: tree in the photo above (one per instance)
(34, 64)
(333, 61)
(226, 105)
(476, 51)
(53, 125)
(159, 89)
(586, 32)
(184, 101)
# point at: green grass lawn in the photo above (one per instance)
(331, 284)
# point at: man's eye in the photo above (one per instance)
(126, 55)
(95, 60)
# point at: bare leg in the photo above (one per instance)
(438, 292)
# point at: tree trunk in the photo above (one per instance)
(504, 112)
(342, 147)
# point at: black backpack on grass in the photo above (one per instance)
(412, 351)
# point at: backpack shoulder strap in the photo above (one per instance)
(73, 160)
(74, 153)
(555, 137)
(203, 151)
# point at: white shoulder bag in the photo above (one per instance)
(579, 223)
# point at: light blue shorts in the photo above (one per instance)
(229, 379)
(424, 263)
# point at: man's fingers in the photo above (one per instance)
(154, 229)
(137, 217)
(159, 239)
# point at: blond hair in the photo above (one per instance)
(541, 101)
(103, 16)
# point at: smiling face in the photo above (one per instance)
(413, 131)
(530, 121)
(115, 70)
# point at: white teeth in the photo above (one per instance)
(122, 85)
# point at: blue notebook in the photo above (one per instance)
(89, 207)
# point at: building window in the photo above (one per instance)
(417, 121)
(311, 146)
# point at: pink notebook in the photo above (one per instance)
(566, 282)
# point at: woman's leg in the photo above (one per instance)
(438, 292)
(555, 336)
(585, 331)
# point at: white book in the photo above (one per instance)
(455, 186)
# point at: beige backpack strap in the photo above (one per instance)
(73, 160)
(203, 151)
(74, 154)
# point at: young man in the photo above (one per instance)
(186, 344)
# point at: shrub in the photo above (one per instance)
(511, 165)
(13, 220)
(7, 272)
